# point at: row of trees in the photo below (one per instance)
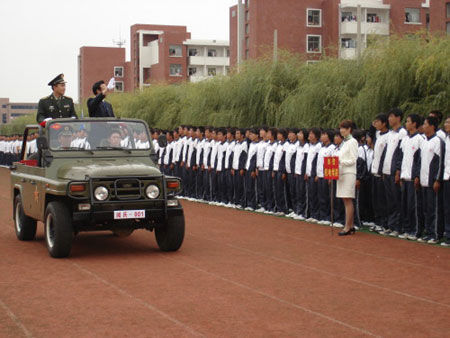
(412, 73)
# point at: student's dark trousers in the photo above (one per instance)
(393, 203)
(239, 188)
(432, 214)
(313, 201)
(290, 191)
(269, 203)
(379, 202)
(280, 194)
(200, 183)
(300, 195)
(206, 185)
(323, 194)
(251, 190)
(229, 186)
(260, 198)
(446, 203)
(411, 209)
(365, 200)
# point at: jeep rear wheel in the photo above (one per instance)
(24, 225)
(170, 237)
(58, 230)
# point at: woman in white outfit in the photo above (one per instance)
(345, 187)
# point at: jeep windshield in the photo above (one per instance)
(98, 135)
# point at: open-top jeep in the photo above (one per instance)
(94, 175)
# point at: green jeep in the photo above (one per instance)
(94, 175)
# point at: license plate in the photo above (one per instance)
(129, 214)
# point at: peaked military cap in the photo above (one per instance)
(57, 80)
(66, 131)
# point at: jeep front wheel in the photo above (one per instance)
(170, 237)
(58, 229)
(24, 225)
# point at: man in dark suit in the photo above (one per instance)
(97, 106)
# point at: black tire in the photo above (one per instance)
(170, 237)
(24, 225)
(58, 229)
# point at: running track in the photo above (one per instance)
(237, 274)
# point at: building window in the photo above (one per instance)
(448, 28)
(412, 15)
(348, 43)
(348, 17)
(247, 43)
(212, 71)
(228, 53)
(247, 54)
(175, 70)
(192, 71)
(314, 43)
(247, 28)
(373, 17)
(193, 52)
(118, 71)
(247, 16)
(247, 3)
(119, 86)
(212, 53)
(227, 70)
(314, 17)
(448, 10)
(233, 13)
(175, 50)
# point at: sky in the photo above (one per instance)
(40, 39)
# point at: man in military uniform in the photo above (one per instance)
(56, 105)
(65, 137)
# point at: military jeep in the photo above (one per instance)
(93, 175)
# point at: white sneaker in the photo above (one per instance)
(338, 225)
(412, 237)
(394, 234)
(403, 236)
(326, 222)
(279, 214)
(260, 210)
(249, 209)
(378, 228)
(433, 241)
(238, 206)
(292, 214)
(299, 217)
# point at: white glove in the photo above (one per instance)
(111, 84)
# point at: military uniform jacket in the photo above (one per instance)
(54, 108)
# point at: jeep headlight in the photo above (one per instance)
(152, 191)
(101, 193)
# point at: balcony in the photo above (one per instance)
(209, 61)
(348, 53)
(378, 28)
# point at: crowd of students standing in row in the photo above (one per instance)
(401, 186)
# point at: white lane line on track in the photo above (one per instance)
(140, 301)
(15, 319)
(287, 261)
(342, 248)
(366, 253)
(280, 300)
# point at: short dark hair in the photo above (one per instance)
(437, 114)
(432, 121)
(347, 124)
(96, 86)
(316, 131)
(201, 130)
(383, 118)
(396, 112)
(329, 133)
(417, 119)
(283, 132)
(274, 132)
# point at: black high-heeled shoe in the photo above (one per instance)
(346, 233)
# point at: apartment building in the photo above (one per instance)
(11, 110)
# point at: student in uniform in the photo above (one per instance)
(266, 173)
(229, 186)
(190, 161)
(378, 188)
(206, 163)
(446, 185)
(391, 173)
(323, 188)
(431, 151)
(260, 153)
(311, 173)
(279, 174)
(199, 153)
(299, 170)
(238, 168)
(212, 168)
(410, 172)
(250, 171)
(291, 150)
(168, 155)
(220, 167)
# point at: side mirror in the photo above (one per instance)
(42, 143)
(162, 141)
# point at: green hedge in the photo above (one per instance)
(412, 73)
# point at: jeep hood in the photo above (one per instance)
(81, 169)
